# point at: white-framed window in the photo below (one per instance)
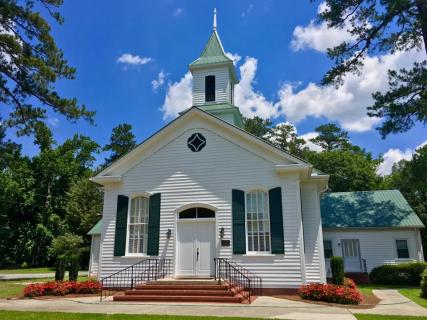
(327, 248)
(402, 249)
(137, 226)
(257, 222)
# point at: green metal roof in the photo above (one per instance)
(214, 53)
(367, 209)
(96, 228)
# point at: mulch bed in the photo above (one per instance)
(60, 297)
(369, 301)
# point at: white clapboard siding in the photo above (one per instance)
(312, 233)
(222, 85)
(208, 177)
(377, 246)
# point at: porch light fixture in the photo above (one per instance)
(221, 232)
(169, 233)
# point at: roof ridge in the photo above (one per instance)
(381, 190)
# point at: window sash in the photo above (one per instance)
(402, 249)
(138, 226)
(257, 222)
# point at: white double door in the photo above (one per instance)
(351, 255)
(195, 248)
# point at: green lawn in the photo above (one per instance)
(378, 317)
(415, 295)
(14, 288)
(18, 315)
(26, 270)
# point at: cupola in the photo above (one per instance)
(214, 79)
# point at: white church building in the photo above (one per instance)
(203, 188)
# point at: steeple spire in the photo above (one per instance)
(214, 20)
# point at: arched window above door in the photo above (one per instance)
(197, 213)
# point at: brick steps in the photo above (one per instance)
(167, 298)
(358, 277)
(181, 291)
(181, 287)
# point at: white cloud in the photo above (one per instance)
(233, 56)
(178, 11)
(393, 156)
(135, 60)
(346, 104)
(158, 83)
(277, 130)
(53, 121)
(312, 146)
(251, 102)
(178, 96)
(318, 37)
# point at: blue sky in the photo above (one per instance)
(282, 60)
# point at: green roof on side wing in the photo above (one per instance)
(96, 228)
(367, 209)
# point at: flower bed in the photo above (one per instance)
(61, 288)
(343, 294)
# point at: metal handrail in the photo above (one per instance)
(245, 282)
(140, 272)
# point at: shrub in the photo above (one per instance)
(60, 268)
(90, 286)
(330, 293)
(423, 284)
(74, 268)
(398, 274)
(61, 288)
(349, 283)
(337, 268)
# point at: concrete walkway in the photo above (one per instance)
(392, 303)
(23, 276)
(263, 307)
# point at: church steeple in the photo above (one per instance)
(214, 78)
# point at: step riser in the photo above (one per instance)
(180, 287)
(178, 298)
(183, 282)
(188, 290)
(180, 293)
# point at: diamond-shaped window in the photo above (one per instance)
(196, 142)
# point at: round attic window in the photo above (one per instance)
(196, 142)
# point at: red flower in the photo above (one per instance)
(61, 288)
(331, 293)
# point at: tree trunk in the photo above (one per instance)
(422, 18)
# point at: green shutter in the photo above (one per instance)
(121, 225)
(239, 230)
(153, 225)
(276, 221)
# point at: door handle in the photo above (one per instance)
(197, 254)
